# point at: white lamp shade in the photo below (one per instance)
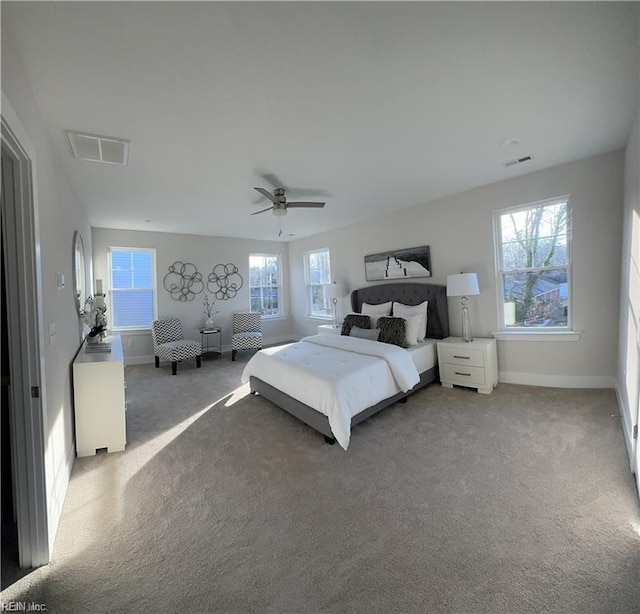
(337, 289)
(463, 284)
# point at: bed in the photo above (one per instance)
(326, 381)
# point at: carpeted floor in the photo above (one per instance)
(517, 502)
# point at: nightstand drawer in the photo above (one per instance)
(466, 357)
(462, 374)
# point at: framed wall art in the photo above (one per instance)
(398, 264)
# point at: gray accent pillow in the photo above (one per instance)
(393, 330)
(354, 319)
(365, 333)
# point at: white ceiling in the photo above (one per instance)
(380, 105)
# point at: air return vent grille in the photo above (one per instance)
(518, 161)
(97, 148)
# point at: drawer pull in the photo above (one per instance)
(465, 357)
(467, 374)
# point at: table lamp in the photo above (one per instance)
(463, 285)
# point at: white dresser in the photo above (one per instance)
(473, 364)
(99, 399)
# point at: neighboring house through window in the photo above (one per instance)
(317, 265)
(265, 282)
(132, 284)
(534, 265)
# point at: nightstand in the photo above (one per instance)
(329, 329)
(473, 364)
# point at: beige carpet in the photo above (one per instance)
(517, 502)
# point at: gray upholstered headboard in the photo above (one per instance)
(410, 294)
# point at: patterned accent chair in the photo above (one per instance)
(246, 333)
(169, 343)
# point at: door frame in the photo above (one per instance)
(24, 313)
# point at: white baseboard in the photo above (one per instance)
(558, 381)
(149, 358)
(58, 493)
(138, 360)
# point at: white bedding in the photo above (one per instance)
(424, 355)
(339, 376)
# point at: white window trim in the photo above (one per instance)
(542, 335)
(108, 290)
(522, 333)
(308, 315)
(282, 314)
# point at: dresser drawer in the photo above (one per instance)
(462, 374)
(466, 357)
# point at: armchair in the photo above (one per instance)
(246, 333)
(169, 343)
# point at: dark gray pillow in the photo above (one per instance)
(354, 319)
(365, 333)
(393, 330)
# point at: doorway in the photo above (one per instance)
(9, 527)
(23, 449)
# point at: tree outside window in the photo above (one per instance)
(265, 285)
(534, 264)
(318, 275)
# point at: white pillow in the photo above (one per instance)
(413, 326)
(403, 311)
(376, 311)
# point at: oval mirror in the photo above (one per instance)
(79, 281)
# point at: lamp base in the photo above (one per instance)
(466, 326)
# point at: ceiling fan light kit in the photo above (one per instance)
(280, 204)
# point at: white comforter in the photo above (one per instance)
(338, 376)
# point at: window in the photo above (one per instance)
(265, 284)
(534, 265)
(132, 275)
(318, 276)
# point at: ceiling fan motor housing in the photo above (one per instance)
(279, 194)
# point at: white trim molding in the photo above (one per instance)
(558, 381)
(559, 335)
(627, 429)
(25, 313)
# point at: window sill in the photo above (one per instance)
(274, 318)
(130, 331)
(558, 335)
(321, 319)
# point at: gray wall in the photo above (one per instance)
(60, 213)
(204, 253)
(459, 230)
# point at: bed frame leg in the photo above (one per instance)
(330, 440)
(404, 399)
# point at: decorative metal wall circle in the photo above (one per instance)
(224, 281)
(183, 281)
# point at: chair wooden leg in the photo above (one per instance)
(198, 361)
(157, 362)
(174, 367)
(233, 354)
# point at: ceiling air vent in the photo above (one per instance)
(518, 161)
(97, 148)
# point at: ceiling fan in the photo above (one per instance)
(280, 204)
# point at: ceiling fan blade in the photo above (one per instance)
(302, 203)
(270, 196)
(273, 180)
(262, 210)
